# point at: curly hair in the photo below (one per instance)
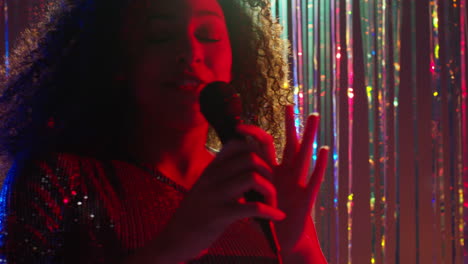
(60, 95)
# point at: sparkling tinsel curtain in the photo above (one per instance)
(389, 80)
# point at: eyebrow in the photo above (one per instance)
(200, 13)
(208, 13)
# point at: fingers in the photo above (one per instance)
(267, 147)
(245, 173)
(305, 151)
(235, 208)
(317, 175)
(215, 171)
(292, 144)
(234, 148)
(247, 163)
(240, 174)
(251, 181)
(236, 211)
(255, 209)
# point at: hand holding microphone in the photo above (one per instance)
(241, 169)
(215, 201)
(296, 190)
(222, 108)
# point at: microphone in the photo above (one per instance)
(221, 106)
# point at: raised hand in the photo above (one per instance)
(295, 195)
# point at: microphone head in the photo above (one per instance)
(221, 106)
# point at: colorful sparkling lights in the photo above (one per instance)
(349, 53)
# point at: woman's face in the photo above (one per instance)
(177, 48)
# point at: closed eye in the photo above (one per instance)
(209, 39)
(210, 32)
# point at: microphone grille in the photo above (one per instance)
(221, 106)
(220, 100)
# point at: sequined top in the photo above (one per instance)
(70, 209)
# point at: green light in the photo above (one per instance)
(435, 22)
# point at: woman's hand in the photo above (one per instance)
(296, 196)
(216, 200)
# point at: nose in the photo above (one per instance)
(189, 52)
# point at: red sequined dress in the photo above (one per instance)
(70, 209)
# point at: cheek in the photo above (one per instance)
(221, 62)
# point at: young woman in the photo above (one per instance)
(113, 160)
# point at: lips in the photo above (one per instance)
(187, 83)
(191, 85)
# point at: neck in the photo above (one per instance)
(180, 155)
